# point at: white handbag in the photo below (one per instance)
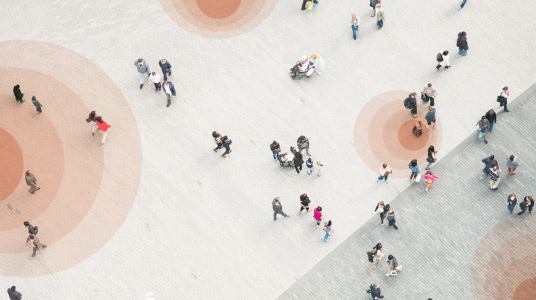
(418, 179)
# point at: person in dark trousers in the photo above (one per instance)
(169, 88)
(377, 255)
(166, 68)
(278, 208)
(14, 294)
(37, 105)
(93, 118)
(36, 243)
(512, 201)
(503, 97)
(218, 140)
(381, 209)
(443, 58)
(380, 16)
(304, 200)
(31, 229)
(298, 161)
(461, 42)
(310, 166)
(490, 163)
(414, 167)
(31, 181)
(463, 4)
(227, 145)
(527, 203)
(275, 149)
(393, 264)
(305, 2)
(376, 293)
(413, 103)
(143, 70)
(431, 157)
(491, 116)
(494, 178)
(512, 163)
(430, 118)
(429, 94)
(483, 126)
(391, 219)
(18, 94)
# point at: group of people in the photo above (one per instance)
(145, 71)
(377, 12)
(306, 66)
(222, 141)
(488, 120)
(19, 97)
(491, 169)
(374, 257)
(297, 157)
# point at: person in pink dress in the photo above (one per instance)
(318, 215)
(429, 178)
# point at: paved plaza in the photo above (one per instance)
(155, 209)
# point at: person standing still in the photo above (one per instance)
(512, 201)
(393, 265)
(381, 209)
(103, 126)
(430, 117)
(36, 243)
(354, 23)
(14, 294)
(166, 68)
(380, 16)
(169, 88)
(391, 219)
(328, 229)
(512, 163)
(527, 203)
(429, 94)
(461, 42)
(414, 167)
(278, 208)
(143, 70)
(503, 98)
(385, 170)
(226, 141)
(304, 200)
(37, 105)
(317, 215)
(275, 149)
(18, 94)
(93, 118)
(491, 116)
(31, 181)
(298, 161)
(412, 99)
(373, 3)
(494, 177)
(483, 125)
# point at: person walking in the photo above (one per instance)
(461, 42)
(298, 161)
(354, 23)
(310, 166)
(103, 126)
(373, 4)
(381, 209)
(430, 117)
(218, 140)
(375, 291)
(391, 219)
(512, 201)
(328, 229)
(527, 203)
(303, 144)
(18, 94)
(494, 177)
(491, 116)
(226, 142)
(463, 4)
(305, 3)
(304, 200)
(414, 169)
(31, 181)
(377, 255)
(429, 177)
(36, 243)
(483, 126)
(278, 208)
(143, 70)
(93, 118)
(380, 16)
(166, 68)
(156, 80)
(489, 163)
(385, 170)
(412, 103)
(37, 105)
(393, 265)
(431, 157)
(169, 88)
(429, 94)
(443, 58)
(31, 229)
(320, 165)
(317, 215)
(512, 163)
(318, 64)
(14, 294)
(275, 149)
(503, 98)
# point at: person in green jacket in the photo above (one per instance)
(18, 94)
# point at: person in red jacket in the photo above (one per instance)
(103, 126)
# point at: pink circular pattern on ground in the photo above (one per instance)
(383, 133)
(11, 163)
(217, 18)
(526, 290)
(81, 204)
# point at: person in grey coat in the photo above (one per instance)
(13, 294)
(483, 126)
(278, 209)
(512, 162)
(143, 70)
(490, 163)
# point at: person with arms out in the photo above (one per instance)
(278, 209)
(318, 65)
(512, 162)
(494, 177)
(429, 177)
(512, 201)
(483, 126)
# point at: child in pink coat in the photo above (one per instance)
(318, 215)
(429, 178)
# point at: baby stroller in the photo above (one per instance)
(286, 159)
(301, 69)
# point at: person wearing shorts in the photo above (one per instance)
(430, 117)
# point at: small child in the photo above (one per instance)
(310, 166)
(156, 80)
(429, 177)
(37, 105)
(319, 168)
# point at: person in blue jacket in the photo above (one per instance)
(414, 169)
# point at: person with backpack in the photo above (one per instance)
(304, 201)
(443, 59)
(411, 103)
(375, 291)
(391, 219)
(328, 229)
(31, 229)
(278, 209)
(317, 215)
(354, 23)
(275, 149)
(503, 98)
(429, 177)
(414, 169)
(310, 166)
(483, 126)
(377, 254)
(461, 42)
(303, 144)
(429, 94)
(381, 209)
(37, 105)
(385, 170)
(489, 163)
(217, 139)
(227, 145)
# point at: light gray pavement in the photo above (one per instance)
(201, 226)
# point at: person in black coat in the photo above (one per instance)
(512, 201)
(527, 203)
(490, 162)
(298, 161)
(376, 293)
(491, 116)
(304, 200)
(166, 68)
(18, 94)
(462, 43)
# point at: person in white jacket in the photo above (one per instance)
(317, 62)
(446, 60)
(354, 23)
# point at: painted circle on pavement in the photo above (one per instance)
(11, 163)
